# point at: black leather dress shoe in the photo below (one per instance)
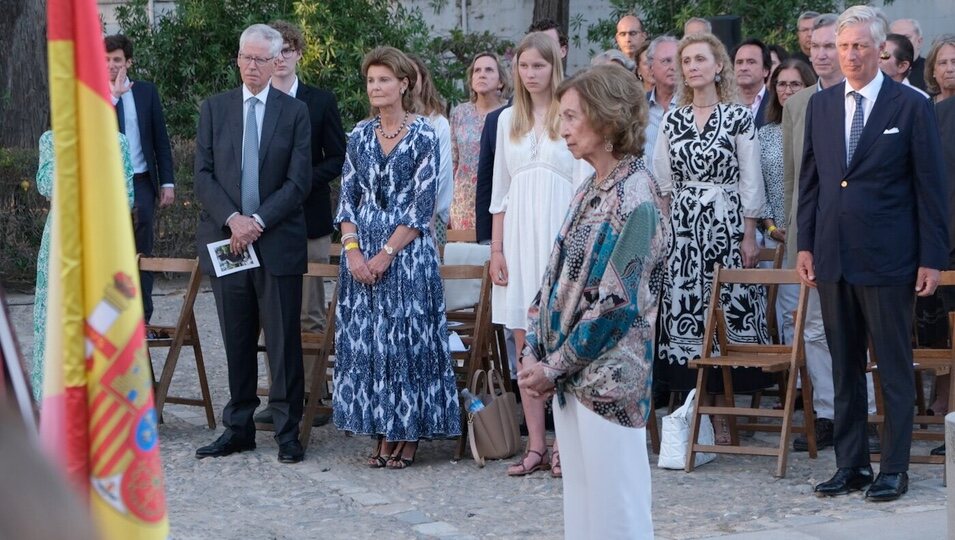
(823, 427)
(938, 451)
(888, 487)
(226, 444)
(291, 452)
(846, 479)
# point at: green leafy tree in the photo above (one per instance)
(190, 53)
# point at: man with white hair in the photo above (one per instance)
(911, 29)
(697, 25)
(872, 228)
(253, 172)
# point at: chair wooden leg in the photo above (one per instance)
(879, 407)
(809, 415)
(695, 421)
(316, 391)
(201, 372)
(784, 432)
(730, 398)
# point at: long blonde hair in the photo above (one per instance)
(726, 89)
(523, 120)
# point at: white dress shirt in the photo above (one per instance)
(869, 94)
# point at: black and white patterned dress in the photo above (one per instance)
(715, 182)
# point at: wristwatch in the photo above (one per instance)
(389, 250)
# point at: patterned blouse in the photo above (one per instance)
(771, 158)
(599, 295)
(466, 127)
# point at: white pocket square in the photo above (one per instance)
(891, 131)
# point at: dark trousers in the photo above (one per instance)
(852, 315)
(247, 301)
(145, 207)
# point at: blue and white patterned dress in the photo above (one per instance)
(393, 372)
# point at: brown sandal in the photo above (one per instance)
(555, 469)
(542, 465)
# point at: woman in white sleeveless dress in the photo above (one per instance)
(535, 178)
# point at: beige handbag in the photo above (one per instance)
(493, 431)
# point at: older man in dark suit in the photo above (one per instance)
(872, 219)
(253, 172)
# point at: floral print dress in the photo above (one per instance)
(393, 372)
(44, 184)
(467, 124)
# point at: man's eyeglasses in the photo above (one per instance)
(259, 62)
(287, 52)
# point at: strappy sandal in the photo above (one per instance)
(376, 460)
(397, 461)
(542, 465)
(555, 470)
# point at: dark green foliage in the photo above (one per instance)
(23, 212)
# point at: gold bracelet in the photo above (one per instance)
(350, 246)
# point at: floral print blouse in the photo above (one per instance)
(592, 323)
(467, 124)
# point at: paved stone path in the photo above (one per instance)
(333, 495)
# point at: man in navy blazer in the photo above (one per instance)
(873, 233)
(751, 65)
(253, 172)
(140, 117)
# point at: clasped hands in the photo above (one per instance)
(245, 230)
(534, 381)
(370, 271)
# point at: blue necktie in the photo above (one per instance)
(855, 131)
(121, 116)
(250, 162)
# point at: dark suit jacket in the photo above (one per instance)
(917, 74)
(875, 221)
(945, 112)
(485, 176)
(328, 156)
(285, 177)
(152, 133)
(760, 119)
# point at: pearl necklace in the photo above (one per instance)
(404, 122)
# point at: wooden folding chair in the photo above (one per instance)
(184, 333)
(322, 346)
(462, 235)
(789, 359)
(923, 359)
(473, 327)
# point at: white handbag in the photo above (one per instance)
(675, 436)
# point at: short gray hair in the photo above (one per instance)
(652, 49)
(614, 55)
(824, 20)
(707, 24)
(262, 32)
(873, 17)
(915, 25)
(807, 15)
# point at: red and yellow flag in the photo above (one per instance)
(98, 419)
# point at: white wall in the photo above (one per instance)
(936, 17)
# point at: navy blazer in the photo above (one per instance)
(945, 113)
(760, 119)
(152, 133)
(328, 156)
(876, 220)
(485, 176)
(285, 177)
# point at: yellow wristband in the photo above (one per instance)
(351, 245)
(770, 229)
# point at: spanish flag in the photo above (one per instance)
(98, 419)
